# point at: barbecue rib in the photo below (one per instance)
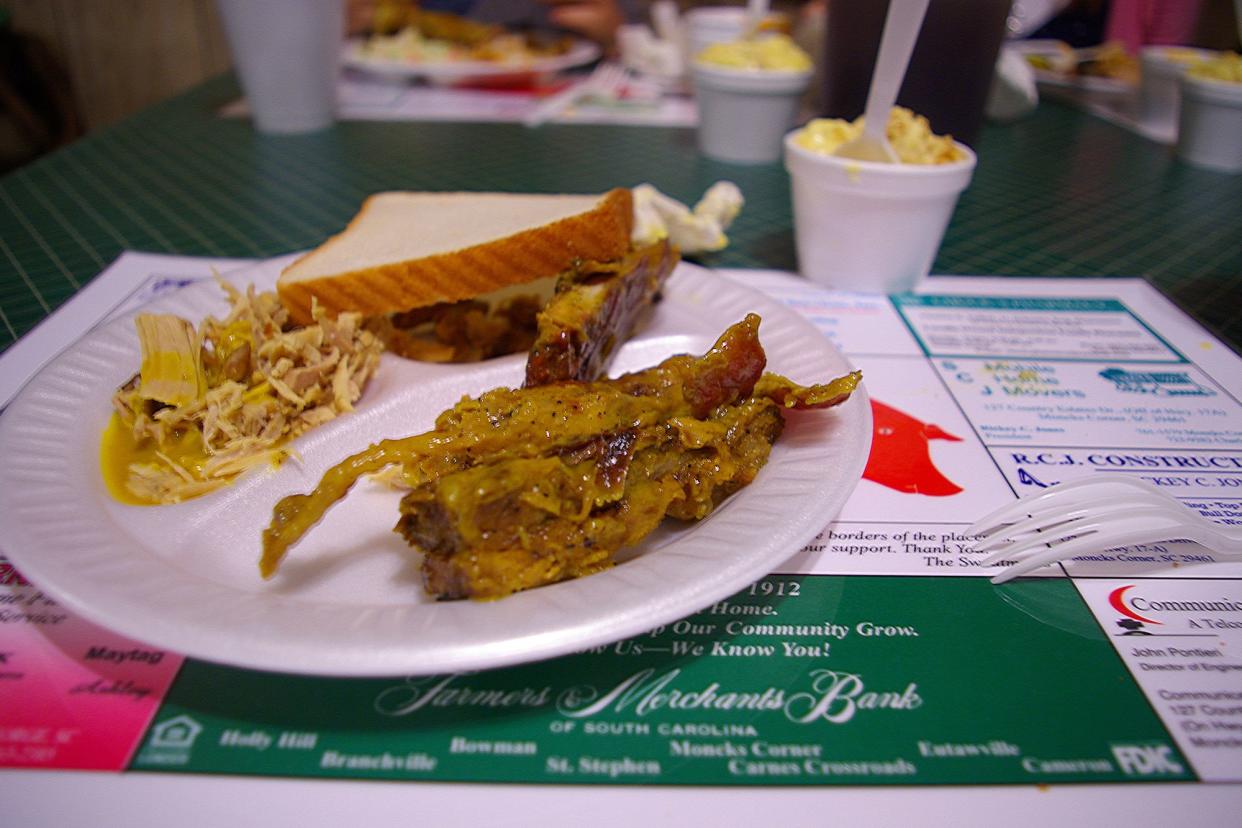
(593, 311)
(525, 487)
(494, 529)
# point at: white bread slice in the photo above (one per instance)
(406, 250)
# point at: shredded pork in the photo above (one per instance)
(267, 382)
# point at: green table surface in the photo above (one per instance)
(1058, 193)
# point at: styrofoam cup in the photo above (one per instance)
(744, 113)
(870, 227)
(1210, 126)
(1160, 87)
(713, 24)
(287, 56)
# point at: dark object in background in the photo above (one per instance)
(950, 71)
(37, 113)
(1079, 25)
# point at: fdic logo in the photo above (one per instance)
(1147, 760)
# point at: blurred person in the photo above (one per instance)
(37, 110)
(1077, 23)
(1138, 23)
(596, 20)
(1131, 24)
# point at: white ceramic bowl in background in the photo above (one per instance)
(870, 227)
(1210, 125)
(1159, 90)
(745, 113)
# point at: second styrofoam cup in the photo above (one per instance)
(870, 227)
(1159, 90)
(713, 24)
(1210, 125)
(744, 113)
(287, 56)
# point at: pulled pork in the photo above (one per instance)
(266, 382)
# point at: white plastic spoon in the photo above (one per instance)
(901, 30)
(756, 13)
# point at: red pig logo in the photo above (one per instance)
(900, 458)
(9, 576)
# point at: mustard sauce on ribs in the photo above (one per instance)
(524, 487)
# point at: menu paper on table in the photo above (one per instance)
(878, 654)
(74, 694)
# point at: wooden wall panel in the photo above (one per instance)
(122, 55)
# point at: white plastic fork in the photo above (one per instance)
(606, 80)
(1101, 512)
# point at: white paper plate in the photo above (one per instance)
(1054, 49)
(348, 600)
(457, 71)
(1085, 83)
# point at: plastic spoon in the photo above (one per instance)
(901, 29)
(756, 13)
(666, 20)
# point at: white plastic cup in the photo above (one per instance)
(870, 227)
(713, 24)
(1160, 87)
(1210, 126)
(745, 113)
(287, 56)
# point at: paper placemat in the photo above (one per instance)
(876, 655)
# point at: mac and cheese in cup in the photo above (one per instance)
(748, 94)
(1210, 124)
(869, 226)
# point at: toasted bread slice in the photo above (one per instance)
(407, 250)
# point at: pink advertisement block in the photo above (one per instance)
(74, 695)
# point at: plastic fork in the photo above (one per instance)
(1101, 512)
(606, 80)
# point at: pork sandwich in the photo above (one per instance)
(451, 277)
